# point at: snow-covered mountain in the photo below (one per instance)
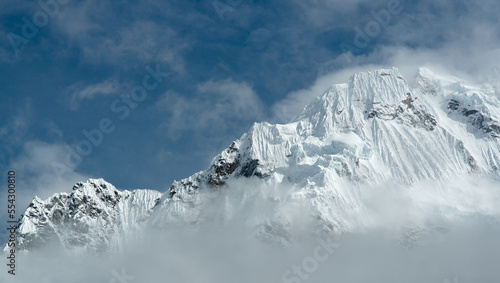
(374, 130)
(95, 216)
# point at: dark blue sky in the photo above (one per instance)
(229, 64)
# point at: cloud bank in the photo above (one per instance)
(414, 237)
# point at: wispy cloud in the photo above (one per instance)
(91, 27)
(36, 175)
(216, 107)
(15, 128)
(35, 164)
(471, 57)
(108, 87)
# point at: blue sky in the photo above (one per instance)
(230, 63)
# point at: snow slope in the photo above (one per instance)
(313, 172)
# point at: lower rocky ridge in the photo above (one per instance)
(95, 217)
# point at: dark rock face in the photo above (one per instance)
(232, 164)
(407, 112)
(248, 170)
(453, 105)
(236, 165)
(475, 118)
(223, 169)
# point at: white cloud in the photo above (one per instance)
(223, 249)
(107, 87)
(471, 61)
(133, 42)
(35, 175)
(237, 98)
(216, 107)
(458, 37)
(320, 12)
(16, 127)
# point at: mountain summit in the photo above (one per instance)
(374, 130)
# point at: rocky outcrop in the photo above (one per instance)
(94, 217)
(477, 120)
(408, 112)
